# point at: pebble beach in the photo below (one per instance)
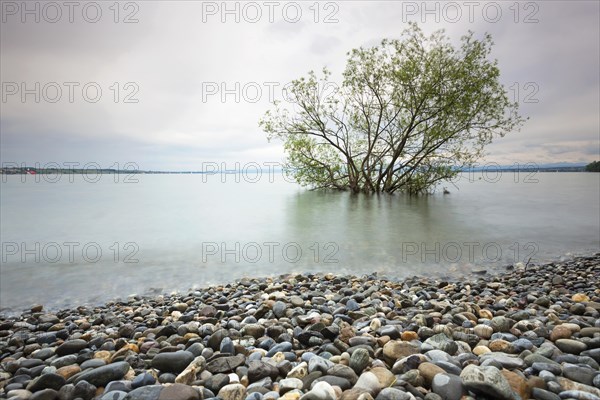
(527, 332)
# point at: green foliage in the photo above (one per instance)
(593, 167)
(408, 114)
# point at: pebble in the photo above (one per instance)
(340, 382)
(547, 367)
(299, 371)
(570, 346)
(428, 371)
(541, 394)
(174, 362)
(448, 387)
(71, 346)
(101, 376)
(144, 379)
(179, 392)
(121, 386)
(359, 360)
(393, 394)
(320, 391)
(144, 393)
(579, 374)
(578, 394)
(233, 391)
(395, 350)
(285, 385)
(84, 390)
(487, 381)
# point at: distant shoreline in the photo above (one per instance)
(79, 171)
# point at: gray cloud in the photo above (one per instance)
(175, 56)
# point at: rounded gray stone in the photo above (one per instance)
(172, 362)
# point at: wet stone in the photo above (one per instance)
(447, 386)
(234, 391)
(84, 390)
(359, 360)
(145, 393)
(216, 382)
(93, 363)
(279, 309)
(541, 394)
(258, 370)
(47, 381)
(64, 361)
(172, 362)
(103, 375)
(179, 392)
(115, 395)
(122, 386)
(393, 394)
(71, 347)
(579, 374)
(487, 381)
(555, 369)
(43, 354)
(46, 394)
(570, 346)
(225, 364)
(343, 383)
(144, 379)
(167, 377)
(279, 347)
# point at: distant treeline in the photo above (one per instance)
(31, 170)
(593, 167)
(528, 168)
(92, 171)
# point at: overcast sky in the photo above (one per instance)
(173, 85)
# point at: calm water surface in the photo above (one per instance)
(74, 242)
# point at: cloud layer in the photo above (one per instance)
(171, 85)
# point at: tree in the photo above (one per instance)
(408, 114)
(593, 167)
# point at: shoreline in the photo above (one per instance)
(531, 332)
(431, 270)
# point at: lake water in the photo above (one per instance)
(67, 240)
